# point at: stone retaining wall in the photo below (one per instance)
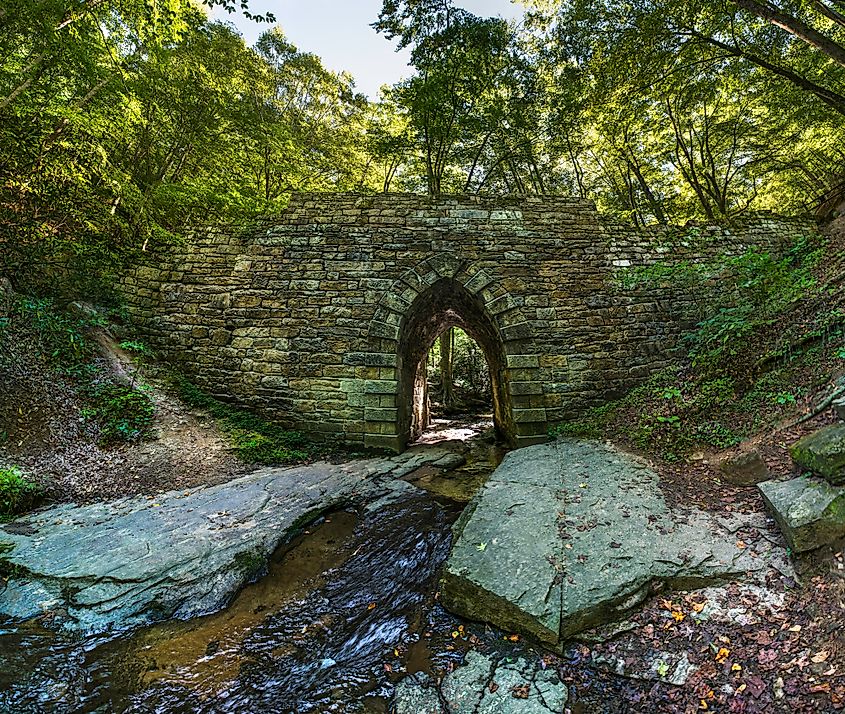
(319, 318)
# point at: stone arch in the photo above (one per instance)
(442, 292)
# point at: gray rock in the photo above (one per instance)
(136, 560)
(823, 453)
(569, 535)
(417, 694)
(653, 665)
(746, 468)
(809, 511)
(484, 685)
(839, 407)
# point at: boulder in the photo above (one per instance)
(745, 468)
(809, 511)
(839, 407)
(823, 453)
(569, 535)
(485, 685)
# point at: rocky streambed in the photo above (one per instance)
(140, 605)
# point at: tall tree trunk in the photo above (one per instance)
(797, 28)
(446, 342)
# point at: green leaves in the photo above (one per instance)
(17, 493)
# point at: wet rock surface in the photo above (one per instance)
(137, 560)
(810, 511)
(484, 685)
(569, 535)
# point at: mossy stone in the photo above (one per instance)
(823, 453)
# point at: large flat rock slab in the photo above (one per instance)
(809, 511)
(569, 535)
(180, 554)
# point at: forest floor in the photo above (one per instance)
(46, 434)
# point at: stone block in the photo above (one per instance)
(518, 361)
(383, 442)
(809, 511)
(521, 416)
(370, 359)
(380, 415)
(823, 453)
(745, 468)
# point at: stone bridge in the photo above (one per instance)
(320, 318)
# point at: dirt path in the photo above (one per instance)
(48, 437)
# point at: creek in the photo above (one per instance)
(342, 612)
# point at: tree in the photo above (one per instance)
(463, 62)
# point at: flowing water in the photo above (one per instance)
(343, 612)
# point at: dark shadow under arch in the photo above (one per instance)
(446, 304)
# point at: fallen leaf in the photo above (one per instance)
(371, 606)
(493, 687)
(820, 657)
(722, 654)
(521, 691)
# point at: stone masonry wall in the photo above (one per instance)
(307, 317)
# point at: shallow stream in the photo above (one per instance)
(344, 610)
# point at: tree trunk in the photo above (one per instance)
(797, 28)
(446, 342)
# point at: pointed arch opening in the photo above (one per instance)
(445, 304)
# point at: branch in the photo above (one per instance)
(832, 99)
(795, 27)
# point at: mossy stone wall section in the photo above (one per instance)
(302, 316)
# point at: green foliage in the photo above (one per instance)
(120, 123)
(766, 346)
(470, 372)
(137, 347)
(123, 413)
(763, 287)
(60, 336)
(17, 494)
(254, 440)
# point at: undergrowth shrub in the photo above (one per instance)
(123, 413)
(253, 439)
(755, 288)
(59, 335)
(17, 493)
(744, 369)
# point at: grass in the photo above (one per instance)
(17, 493)
(253, 439)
